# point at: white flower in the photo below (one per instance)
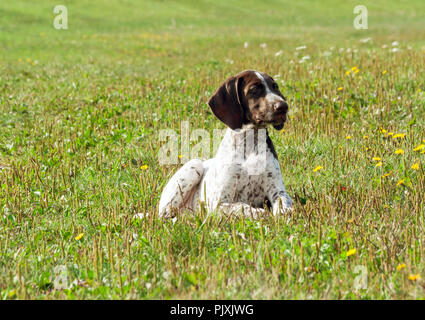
(245, 45)
(141, 215)
(278, 53)
(300, 48)
(242, 235)
(304, 59)
(395, 43)
(365, 40)
(263, 45)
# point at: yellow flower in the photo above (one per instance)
(348, 137)
(317, 168)
(355, 69)
(414, 277)
(144, 167)
(399, 151)
(351, 252)
(401, 266)
(79, 236)
(180, 156)
(365, 137)
(419, 147)
(350, 221)
(384, 72)
(383, 130)
(347, 72)
(377, 158)
(399, 135)
(378, 164)
(390, 133)
(340, 88)
(387, 174)
(415, 166)
(401, 182)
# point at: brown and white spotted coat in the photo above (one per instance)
(244, 175)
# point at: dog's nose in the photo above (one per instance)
(281, 107)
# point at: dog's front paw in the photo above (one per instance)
(282, 211)
(283, 206)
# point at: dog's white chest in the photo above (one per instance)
(239, 174)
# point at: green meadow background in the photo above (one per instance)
(80, 115)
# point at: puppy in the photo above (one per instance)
(244, 176)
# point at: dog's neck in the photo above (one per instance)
(246, 141)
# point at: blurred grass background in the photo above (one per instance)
(175, 34)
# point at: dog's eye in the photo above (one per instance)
(275, 86)
(255, 89)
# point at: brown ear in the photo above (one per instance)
(226, 104)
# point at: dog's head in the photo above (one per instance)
(250, 97)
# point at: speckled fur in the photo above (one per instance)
(224, 181)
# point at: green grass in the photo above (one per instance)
(80, 114)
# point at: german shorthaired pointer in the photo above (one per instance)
(244, 176)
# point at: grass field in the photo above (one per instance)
(80, 113)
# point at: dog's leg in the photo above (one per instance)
(180, 187)
(276, 193)
(281, 202)
(240, 209)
